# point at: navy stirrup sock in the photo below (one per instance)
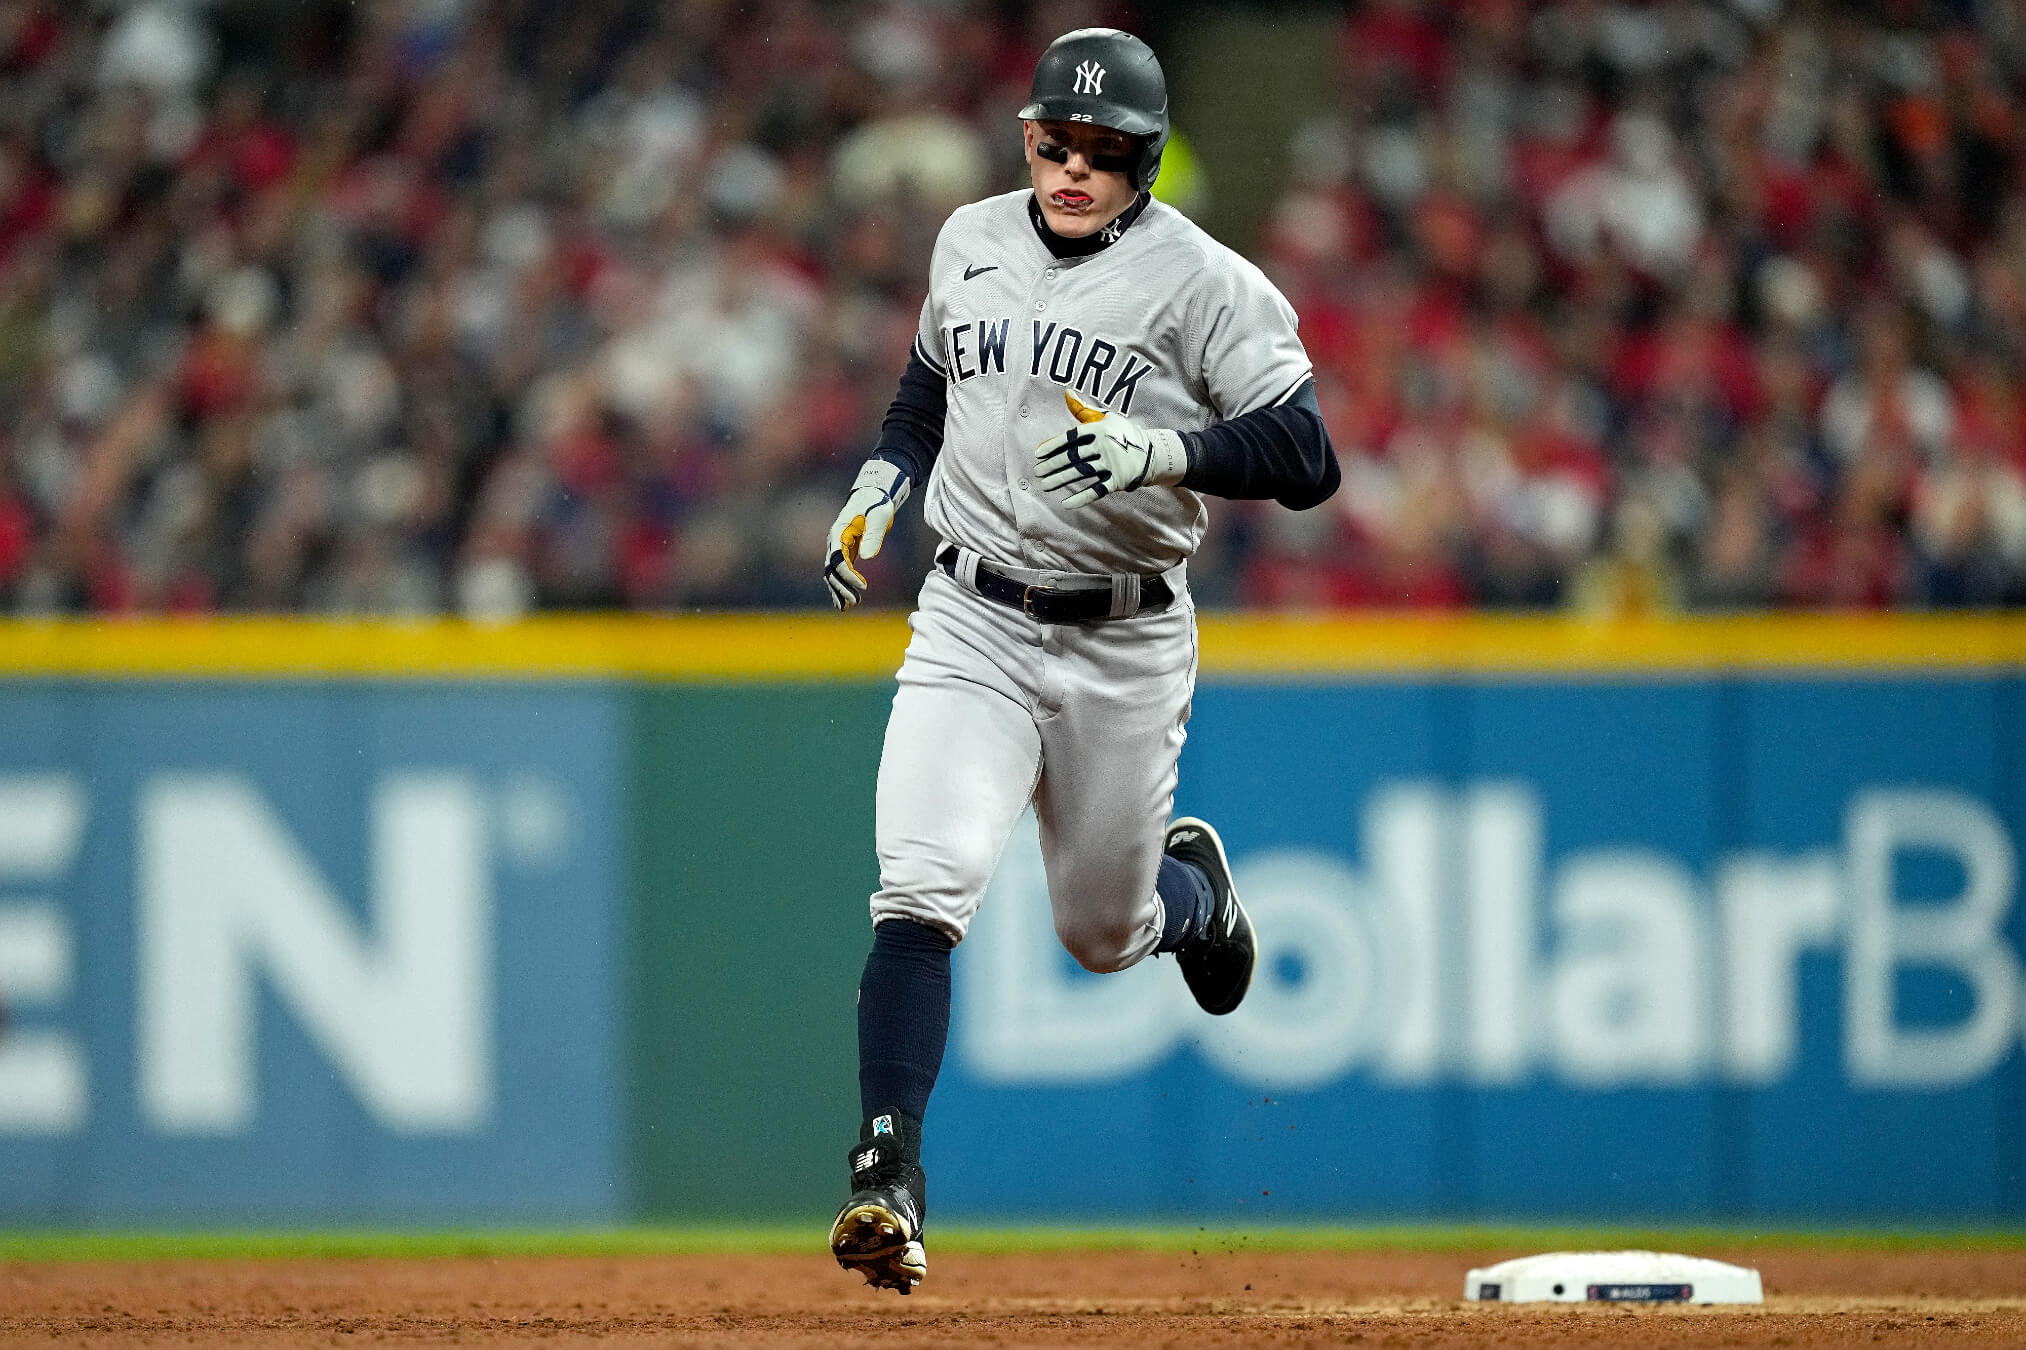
(1186, 895)
(903, 1019)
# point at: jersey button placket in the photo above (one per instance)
(1022, 452)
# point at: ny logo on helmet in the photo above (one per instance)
(1090, 78)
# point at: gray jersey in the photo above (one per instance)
(1166, 325)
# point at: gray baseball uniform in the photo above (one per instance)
(1161, 323)
(1071, 399)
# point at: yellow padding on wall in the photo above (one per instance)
(1563, 645)
(783, 647)
(864, 645)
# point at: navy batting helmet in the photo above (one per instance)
(1108, 79)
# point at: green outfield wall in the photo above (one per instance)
(753, 863)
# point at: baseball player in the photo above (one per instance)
(1089, 366)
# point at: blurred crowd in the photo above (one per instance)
(484, 306)
(1632, 306)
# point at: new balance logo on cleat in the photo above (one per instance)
(878, 1231)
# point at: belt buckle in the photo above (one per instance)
(1026, 602)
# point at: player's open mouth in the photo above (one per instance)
(1072, 201)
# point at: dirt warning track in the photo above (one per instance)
(1108, 1298)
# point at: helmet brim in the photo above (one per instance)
(1091, 111)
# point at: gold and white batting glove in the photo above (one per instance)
(1107, 452)
(860, 528)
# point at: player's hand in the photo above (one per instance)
(1107, 452)
(860, 528)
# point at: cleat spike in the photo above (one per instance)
(878, 1231)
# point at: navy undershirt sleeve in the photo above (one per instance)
(1282, 452)
(912, 435)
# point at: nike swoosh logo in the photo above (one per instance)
(970, 272)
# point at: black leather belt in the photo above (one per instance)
(1054, 604)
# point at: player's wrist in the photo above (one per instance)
(883, 476)
(1168, 458)
(1192, 456)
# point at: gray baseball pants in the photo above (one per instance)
(995, 710)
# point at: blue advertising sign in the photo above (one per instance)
(283, 952)
(1701, 948)
(1674, 949)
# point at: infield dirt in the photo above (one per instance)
(1111, 1298)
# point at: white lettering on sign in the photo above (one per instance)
(43, 1083)
(1771, 912)
(1455, 954)
(402, 1006)
(1626, 999)
(1500, 829)
(44, 1086)
(41, 822)
(1042, 1025)
(1961, 936)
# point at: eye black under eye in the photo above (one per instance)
(1114, 162)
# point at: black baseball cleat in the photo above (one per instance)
(878, 1233)
(1217, 965)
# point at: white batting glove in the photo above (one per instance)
(860, 528)
(1107, 452)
